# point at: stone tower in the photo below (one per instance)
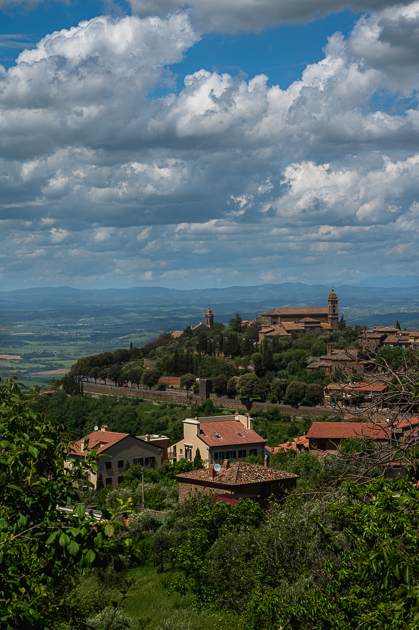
(333, 317)
(209, 318)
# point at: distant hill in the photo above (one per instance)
(387, 282)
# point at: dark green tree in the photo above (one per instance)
(342, 323)
(150, 377)
(219, 385)
(278, 388)
(232, 387)
(99, 483)
(236, 323)
(398, 325)
(315, 393)
(41, 547)
(187, 381)
(197, 461)
(296, 392)
(246, 385)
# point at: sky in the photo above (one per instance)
(231, 142)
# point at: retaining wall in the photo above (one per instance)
(241, 406)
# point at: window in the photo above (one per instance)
(253, 451)
(321, 445)
(148, 460)
(121, 463)
(242, 453)
(108, 465)
(120, 479)
(138, 460)
(219, 455)
(231, 455)
(108, 481)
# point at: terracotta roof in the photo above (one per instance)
(340, 355)
(319, 364)
(275, 329)
(239, 473)
(177, 333)
(393, 339)
(231, 433)
(299, 311)
(309, 319)
(363, 387)
(100, 440)
(302, 441)
(292, 326)
(340, 430)
(326, 326)
(405, 424)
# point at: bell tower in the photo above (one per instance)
(209, 318)
(333, 317)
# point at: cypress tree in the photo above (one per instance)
(99, 484)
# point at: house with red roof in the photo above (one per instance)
(407, 430)
(346, 392)
(325, 437)
(116, 449)
(218, 438)
(238, 480)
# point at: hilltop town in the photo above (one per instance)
(218, 430)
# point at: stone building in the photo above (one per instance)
(236, 481)
(347, 361)
(283, 321)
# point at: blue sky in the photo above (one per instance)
(231, 142)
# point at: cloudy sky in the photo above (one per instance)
(223, 142)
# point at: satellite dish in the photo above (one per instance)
(217, 467)
(96, 428)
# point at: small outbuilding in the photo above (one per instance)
(238, 480)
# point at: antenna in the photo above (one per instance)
(217, 467)
(96, 428)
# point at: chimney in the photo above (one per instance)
(147, 437)
(225, 464)
(329, 349)
(266, 462)
(104, 427)
(211, 472)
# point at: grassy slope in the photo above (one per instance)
(150, 600)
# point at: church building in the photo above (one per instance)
(209, 323)
(284, 321)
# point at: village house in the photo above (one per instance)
(372, 339)
(218, 438)
(238, 480)
(406, 430)
(348, 393)
(117, 450)
(402, 339)
(325, 437)
(347, 361)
